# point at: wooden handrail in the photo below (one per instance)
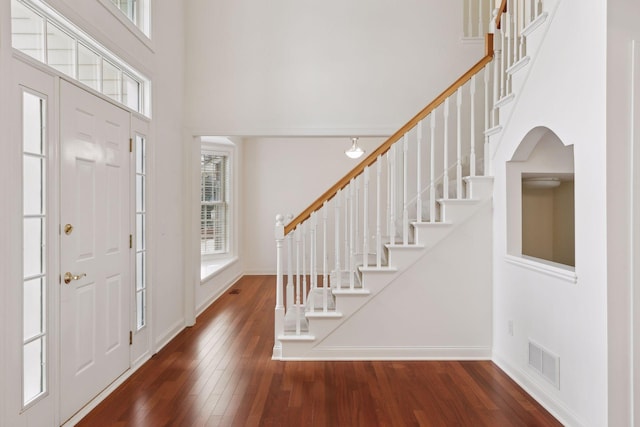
(382, 149)
(502, 9)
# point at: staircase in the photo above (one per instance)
(394, 261)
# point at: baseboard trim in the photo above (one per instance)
(555, 407)
(224, 288)
(169, 335)
(393, 353)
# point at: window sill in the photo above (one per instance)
(210, 268)
(550, 268)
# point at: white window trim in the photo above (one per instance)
(212, 264)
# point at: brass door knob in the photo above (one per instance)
(68, 277)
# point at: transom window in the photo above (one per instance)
(214, 172)
(39, 32)
(137, 11)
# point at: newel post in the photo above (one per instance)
(279, 312)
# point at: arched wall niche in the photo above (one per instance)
(540, 199)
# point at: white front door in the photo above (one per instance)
(94, 246)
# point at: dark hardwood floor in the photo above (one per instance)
(220, 372)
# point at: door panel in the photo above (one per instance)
(94, 195)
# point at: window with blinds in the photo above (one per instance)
(214, 188)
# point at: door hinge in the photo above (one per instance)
(131, 145)
(130, 241)
(130, 337)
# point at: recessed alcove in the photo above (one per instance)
(540, 200)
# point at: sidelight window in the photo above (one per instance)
(34, 261)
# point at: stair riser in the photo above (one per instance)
(429, 235)
(403, 258)
(455, 213)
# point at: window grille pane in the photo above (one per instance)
(33, 308)
(32, 124)
(128, 7)
(33, 199)
(213, 175)
(88, 67)
(33, 369)
(111, 81)
(130, 92)
(140, 232)
(33, 244)
(140, 192)
(141, 308)
(27, 29)
(140, 155)
(61, 50)
(214, 228)
(140, 273)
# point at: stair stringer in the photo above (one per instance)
(421, 276)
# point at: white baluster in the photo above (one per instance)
(352, 201)
(289, 298)
(313, 269)
(325, 281)
(459, 143)
(298, 290)
(445, 178)
(514, 31)
(405, 197)
(472, 154)
(502, 54)
(357, 216)
(304, 262)
(388, 217)
(487, 110)
(419, 173)
(347, 226)
(365, 219)
(378, 219)
(497, 83)
(432, 171)
(336, 226)
(539, 8)
(279, 310)
(392, 195)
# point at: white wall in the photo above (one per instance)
(565, 92)
(319, 68)
(622, 134)
(284, 176)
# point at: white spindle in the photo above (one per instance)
(419, 173)
(445, 178)
(378, 219)
(432, 169)
(459, 143)
(356, 202)
(497, 85)
(325, 281)
(539, 8)
(487, 109)
(405, 197)
(298, 302)
(289, 298)
(516, 29)
(365, 219)
(388, 217)
(392, 195)
(502, 53)
(347, 226)
(279, 310)
(352, 201)
(313, 269)
(338, 268)
(304, 263)
(472, 154)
